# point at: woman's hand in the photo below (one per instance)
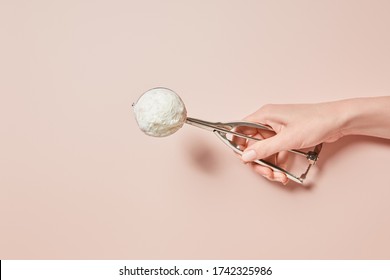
(299, 126)
(296, 127)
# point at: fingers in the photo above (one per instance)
(269, 174)
(240, 141)
(280, 177)
(248, 130)
(282, 159)
(271, 144)
(262, 170)
(265, 148)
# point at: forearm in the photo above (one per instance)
(366, 116)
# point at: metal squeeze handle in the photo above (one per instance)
(224, 129)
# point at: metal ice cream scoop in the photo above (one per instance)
(161, 112)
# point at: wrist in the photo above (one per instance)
(348, 114)
(363, 116)
(337, 119)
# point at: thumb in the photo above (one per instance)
(265, 148)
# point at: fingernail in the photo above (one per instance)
(280, 178)
(278, 175)
(267, 177)
(249, 155)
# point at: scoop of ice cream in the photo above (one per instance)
(160, 112)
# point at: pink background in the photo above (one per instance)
(79, 180)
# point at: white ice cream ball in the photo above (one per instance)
(160, 112)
